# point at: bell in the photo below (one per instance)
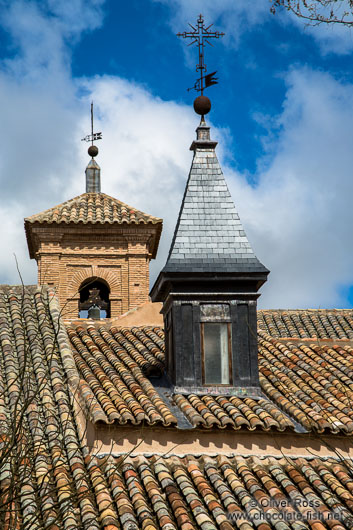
(94, 312)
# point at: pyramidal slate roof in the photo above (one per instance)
(209, 236)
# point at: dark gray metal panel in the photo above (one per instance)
(197, 344)
(169, 345)
(187, 365)
(254, 361)
(186, 347)
(243, 351)
(234, 324)
(178, 346)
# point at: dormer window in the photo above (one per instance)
(209, 287)
(216, 344)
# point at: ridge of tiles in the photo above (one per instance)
(93, 208)
(311, 384)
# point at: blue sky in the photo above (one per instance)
(144, 48)
(282, 114)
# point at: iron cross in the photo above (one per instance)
(201, 36)
(93, 136)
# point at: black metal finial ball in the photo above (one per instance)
(93, 151)
(202, 105)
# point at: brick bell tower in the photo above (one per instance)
(95, 250)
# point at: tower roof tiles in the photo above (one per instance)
(93, 208)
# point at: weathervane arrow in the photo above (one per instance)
(210, 79)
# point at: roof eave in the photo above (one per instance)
(166, 279)
(28, 231)
(157, 238)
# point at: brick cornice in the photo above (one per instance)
(37, 233)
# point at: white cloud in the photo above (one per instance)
(145, 153)
(237, 17)
(41, 31)
(232, 17)
(298, 218)
(40, 114)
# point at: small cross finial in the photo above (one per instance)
(92, 150)
(201, 36)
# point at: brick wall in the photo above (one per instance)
(68, 255)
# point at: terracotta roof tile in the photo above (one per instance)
(222, 412)
(307, 323)
(93, 208)
(63, 486)
(202, 493)
(54, 482)
(311, 383)
(66, 487)
(112, 364)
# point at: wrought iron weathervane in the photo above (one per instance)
(201, 36)
(92, 150)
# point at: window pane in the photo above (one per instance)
(216, 354)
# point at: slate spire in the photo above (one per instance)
(209, 286)
(209, 236)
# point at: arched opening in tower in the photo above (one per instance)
(94, 298)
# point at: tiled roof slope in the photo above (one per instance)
(309, 385)
(312, 383)
(46, 474)
(205, 493)
(93, 208)
(113, 364)
(59, 485)
(307, 323)
(209, 235)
